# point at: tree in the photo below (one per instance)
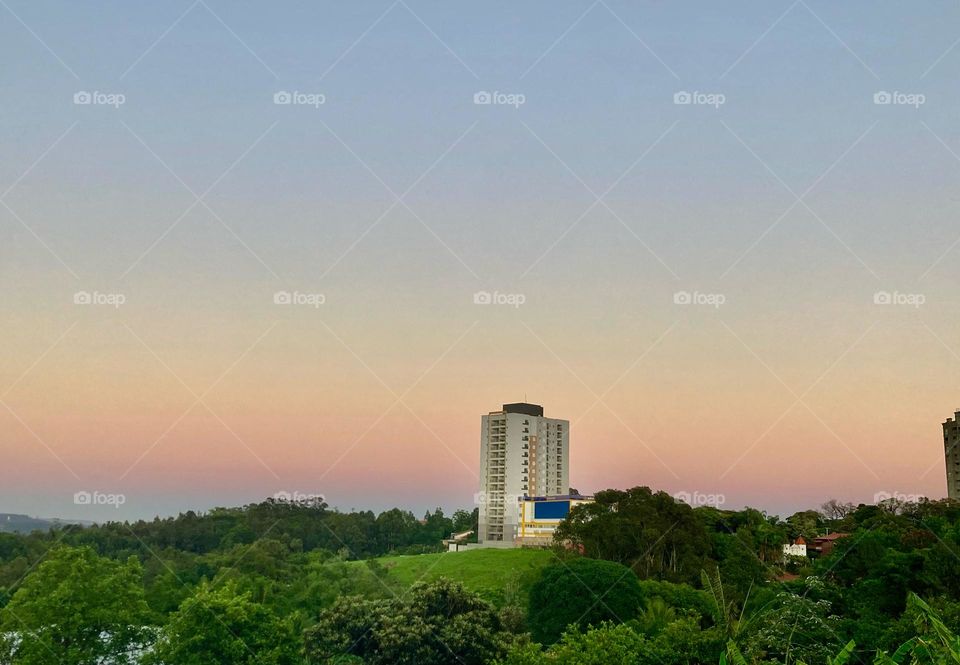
(608, 644)
(582, 592)
(77, 608)
(741, 570)
(222, 626)
(435, 528)
(651, 532)
(395, 528)
(934, 643)
(682, 642)
(793, 629)
(656, 616)
(438, 623)
(833, 509)
(464, 520)
(806, 523)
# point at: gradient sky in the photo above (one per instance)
(797, 200)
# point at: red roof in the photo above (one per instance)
(832, 536)
(800, 541)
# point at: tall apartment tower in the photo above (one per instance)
(521, 454)
(951, 452)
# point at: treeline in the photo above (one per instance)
(306, 525)
(638, 577)
(857, 592)
(272, 542)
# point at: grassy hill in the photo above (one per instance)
(500, 576)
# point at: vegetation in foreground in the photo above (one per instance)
(657, 581)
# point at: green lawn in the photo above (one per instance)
(500, 576)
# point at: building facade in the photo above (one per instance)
(823, 545)
(540, 516)
(521, 454)
(796, 548)
(951, 453)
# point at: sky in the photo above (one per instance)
(250, 248)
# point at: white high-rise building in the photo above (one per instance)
(521, 454)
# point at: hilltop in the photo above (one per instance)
(15, 523)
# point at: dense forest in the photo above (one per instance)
(634, 577)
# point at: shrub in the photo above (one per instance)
(438, 623)
(582, 592)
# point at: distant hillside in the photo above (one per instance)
(12, 523)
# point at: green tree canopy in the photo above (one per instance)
(582, 592)
(435, 624)
(77, 608)
(682, 642)
(224, 627)
(651, 532)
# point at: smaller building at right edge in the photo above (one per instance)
(951, 454)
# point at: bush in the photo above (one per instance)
(606, 645)
(681, 643)
(582, 592)
(682, 597)
(224, 627)
(438, 623)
